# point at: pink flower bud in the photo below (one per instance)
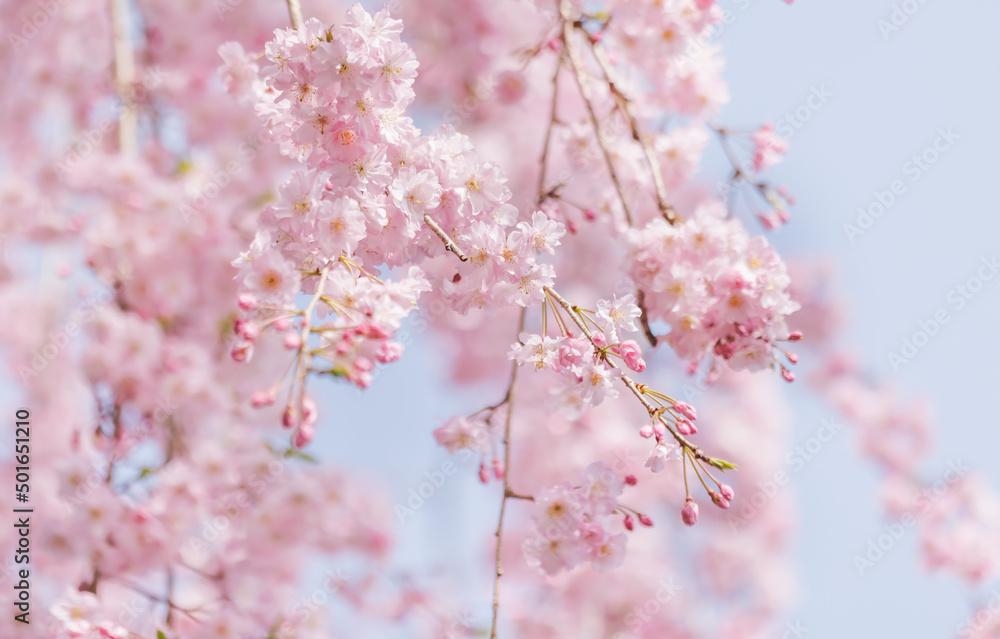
(788, 375)
(246, 329)
(646, 431)
(645, 520)
(792, 357)
(600, 340)
(795, 336)
(292, 341)
(689, 513)
(632, 354)
(660, 431)
(288, 417)
(684, 427)
(263, 398)
(629, 524)
(304, 435)
(247, 302)
(631, 480)
(282, 324)
(483, 474)
(242, 351)
(310, 412)
(590, 214)
(389, 352)
(497, 469)
(718, 500)
(686, 410)
(727, 491)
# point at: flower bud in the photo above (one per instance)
(686, 410)
(689, 513)
(718, 500)
(247, 302)
(727, 491)
(292, 341)
(645, 520)
(263, 398)
(631, 480)
(646, 431)
(288, 417)
(629, 524)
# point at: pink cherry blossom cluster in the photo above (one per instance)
(721, 292)
(580, 524)
(375, 195)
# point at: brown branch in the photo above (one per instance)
(507, 492)
(542, 194)
(644, 318)
(449, 244)
(631, 385)
(302, 366)
(625, 107)
(128, 121)
(295, 13)
(574, 59)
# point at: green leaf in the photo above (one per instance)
(295, 452)
(160, 635)
(722, 464)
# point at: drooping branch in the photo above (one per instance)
(295, 14)
(507, 492)
(128, 120)
(575, 63)
(449, 243)
(627, 111)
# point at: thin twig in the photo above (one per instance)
(507, 492)
(449, 243)
(581, 81)
(644, 318)
(128, 121)
(631, 385)
(302, 367)
(295, 13)
(625, 107)
(548, 130)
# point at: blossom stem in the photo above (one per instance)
(302, 367)
(295, 14)
(128, 121)
(625, 107)
(507, 492)
(574, 60)
(542, 194)
(449, 243)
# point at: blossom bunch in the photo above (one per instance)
(721, 291)
(580, 524)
